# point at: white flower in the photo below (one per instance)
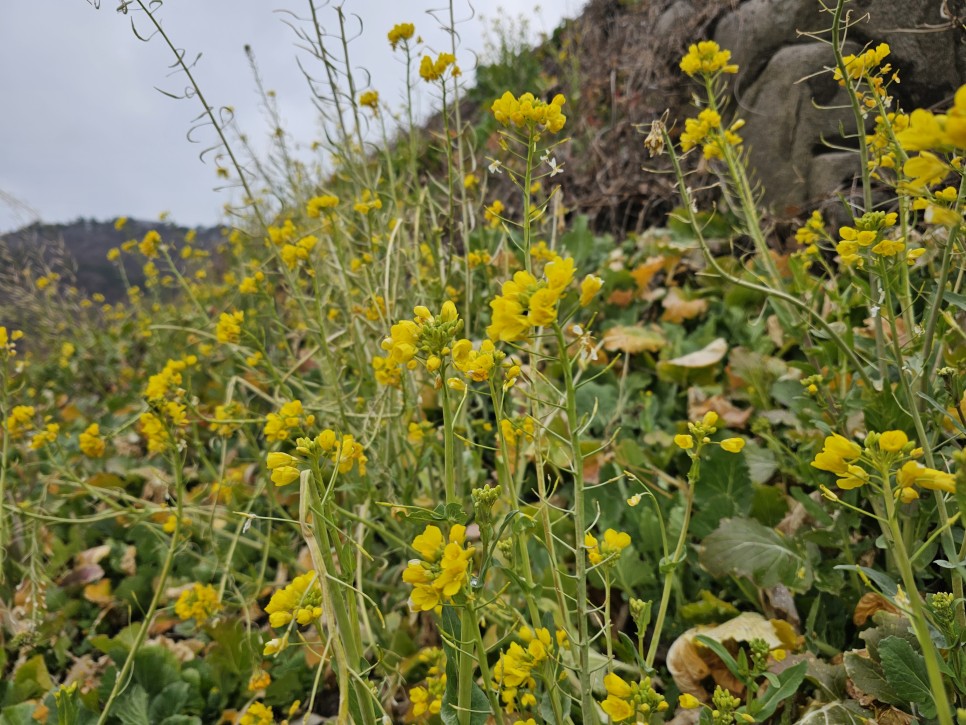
(495, 167)
(554, 169)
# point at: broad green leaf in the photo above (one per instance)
(743, 547)
(867, 676)
(131, 708)
(837, 713)
(724, 490)
(31, 680)
(905, 669)
(22, 714)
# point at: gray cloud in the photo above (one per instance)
(84, 132)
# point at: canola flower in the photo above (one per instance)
(399, 33)
(300, 601)
(200, 602)
(427, 700)
(291, 416)
(608, 550)
(513, 674)
(90, 441)
(346, 453)
(443, 569)
(707, 58)
(527, 112)
(890, 452)
(626, 700)
(228, 330)
(425, 339)
(432, 70)
(526, 303)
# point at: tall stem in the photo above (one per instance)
(919, 625)
(587, 707)
(671, 565)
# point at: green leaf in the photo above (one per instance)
(32, 680)
(724, 490)
(905, 669)
(837, 713)
(22, 714)
(869, 677)
(131, 708)
(722, 652)
(171, 701)
(788, 683)
(743, 547)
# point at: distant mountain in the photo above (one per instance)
(78, 250)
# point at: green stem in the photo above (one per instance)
(120, 682)
(919, 624)
(587, 707)
(449, 462)
(672, 564)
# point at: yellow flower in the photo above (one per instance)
(528, 111)
(589, 288)
(733, 445)
(836, 454)
(370, 99)
(149, 244)
(199, 603)
(707, 57)
(90, 441)
(853, 477)
(914, 473)
(430, 70)
(688, 701)
(228, 329)
(925, 169)
(443, 569)
(20, 421)
(316, 204)
(259, 680)
(491, 214)
(682, 440)
(301, 600)
(892, 441)
(609, 550)
(400, 32)
(258, 714)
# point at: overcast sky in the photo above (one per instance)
(83, 132)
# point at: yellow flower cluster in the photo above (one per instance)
(90, 441)
(258, 714)
(369, 99)
(400, 32)
(891, 450)
(426, 338)
(706, 131)
(44, 437)
(157, 430)
(626, 700)
(432, 70)
(149, 244)
(199, 603)
(168, 381)
(812, 231)
(492, 213)
(707, 58)
(937, 131)
(290, 417)
(528, 112)
(442, 571)
(346, 453)
(316, 204)
(609, 550)
(869, 234)
(8, 339)
(301, 600)
(229, 325)
(868, 67)
(700, 432)
(368, 201)
(526, 302)
(513, 674)
(428, 701)
(20, 421)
